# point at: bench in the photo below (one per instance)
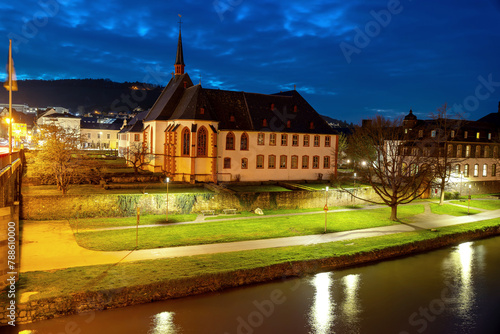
(208, 212)
(229, 211)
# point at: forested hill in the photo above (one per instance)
(84, 95)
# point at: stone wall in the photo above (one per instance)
(72, 206)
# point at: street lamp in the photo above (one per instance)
(461, 175)
(354, 178)
(326, 205)
(168, 181)
(468, 204)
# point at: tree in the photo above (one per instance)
(137, 155)
(393, 164)
(441, 153)
(57, 156)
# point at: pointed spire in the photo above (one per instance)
(179, 59)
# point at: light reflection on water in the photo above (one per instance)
(163, 323)
(322, 311)
(351, 305)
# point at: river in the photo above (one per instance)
(452, 290)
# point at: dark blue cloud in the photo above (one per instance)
(419, 56)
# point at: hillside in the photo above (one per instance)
(84, 95)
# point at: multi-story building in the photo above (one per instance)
(209, 135)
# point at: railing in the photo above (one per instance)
(5, 159)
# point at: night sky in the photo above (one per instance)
(349, 59)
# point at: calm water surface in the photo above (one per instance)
(453, 290)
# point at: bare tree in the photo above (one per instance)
(137, 155)
(57, 156)
(441, 152)
(393, 164)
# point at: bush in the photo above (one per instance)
(449, 195)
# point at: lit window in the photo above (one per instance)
(272, 139)
(260, 161)
(452, 133)
(327, 141)
(478, 135)
(467, 151)
(283, 159)
(295, 140)
(433, 133)
(476, 170)
(295, 162)
(489, 135)
(457, 169)
(244, 163)
(227, 163)
(271, 162)
(466, 170)
(260, 139)
(466, 133)
(305, 161)
(485, 170)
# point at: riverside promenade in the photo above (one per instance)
(51, 245)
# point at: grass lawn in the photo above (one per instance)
(102, 277)
(487, 204)
(95, 223)
(239, 230)
(452, 210)
(258, 189)
(269, 212)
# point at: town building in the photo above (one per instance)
(471, 149)
(195, 134)
(96, 135)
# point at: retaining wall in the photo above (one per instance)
(72, 206)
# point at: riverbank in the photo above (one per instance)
(124, 284)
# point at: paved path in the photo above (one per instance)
(51, 245)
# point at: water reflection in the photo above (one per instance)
(350, 307)
(163, 323)
(322, 311)
(460, 267)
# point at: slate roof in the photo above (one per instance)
(136, 123)
(237, 110)
(116, 125)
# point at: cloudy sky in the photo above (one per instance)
(349, 59)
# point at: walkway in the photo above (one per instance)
(51, 245)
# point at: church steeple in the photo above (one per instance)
(179, 58)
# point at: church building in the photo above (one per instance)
(196, 134)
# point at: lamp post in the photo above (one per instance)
(326, 205)
(461, 175)
(468, 203)
(168, 181)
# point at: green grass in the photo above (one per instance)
(452, 210)
(258, 189)
(96, 223)
(239, 230)
(486, 204)
(103, 277)
(268, 212)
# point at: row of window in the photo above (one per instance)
(453, 134)
(283, 162)
(99, 135)
(261, 137)
(476, 171)
(480, 151)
